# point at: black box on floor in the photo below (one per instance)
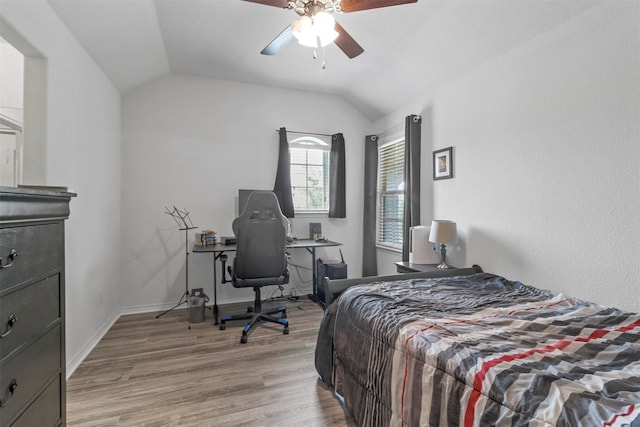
(332, 268)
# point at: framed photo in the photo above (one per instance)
(443, 163)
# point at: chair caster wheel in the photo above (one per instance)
(243, 339)
(286, 331)
(249, 309)
(223, 327)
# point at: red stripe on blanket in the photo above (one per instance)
(480, 376)
(616, 416)
(412, 336)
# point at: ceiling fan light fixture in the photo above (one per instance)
(323, 22)
(317, 31)
(302, 29)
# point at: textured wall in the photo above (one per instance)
(547, 159)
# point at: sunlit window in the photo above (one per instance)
(390, 194)
(310, 174)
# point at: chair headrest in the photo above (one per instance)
(261, 206)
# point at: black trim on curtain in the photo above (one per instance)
(282, 186)
(369, 252)
(412, 130)
(337, 194)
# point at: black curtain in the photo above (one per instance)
(413, 125)
(369, 253)
(282, 187)
(337, 195)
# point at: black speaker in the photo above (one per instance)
(332, 268)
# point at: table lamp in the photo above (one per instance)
(443, 232)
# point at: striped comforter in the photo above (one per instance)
(482, 350)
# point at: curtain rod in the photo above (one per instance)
(391, 131)
(396, 128)
(304, 133)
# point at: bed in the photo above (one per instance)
(476, 349)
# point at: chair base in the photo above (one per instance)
(255, 319)
(255, 315)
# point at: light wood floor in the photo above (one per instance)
(157, 372)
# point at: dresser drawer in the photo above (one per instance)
(46, 411)
(31, 369)
(27, 312)
(40, 250)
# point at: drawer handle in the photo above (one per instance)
(10, 322)
(13, 254)
(13, 385)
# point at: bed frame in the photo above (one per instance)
(333, 288)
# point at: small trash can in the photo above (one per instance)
(196, 308)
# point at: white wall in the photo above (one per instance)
(80, 134)
(547, 158)
(193, 142)
(11, 81)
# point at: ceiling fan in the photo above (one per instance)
(316, 27)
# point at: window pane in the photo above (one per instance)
(315, 175)
(310, 175)
(299, 196)
(298, 156)
(316, 198)
(314, 157)
(298, 176)
(391, 180)
(391, 194)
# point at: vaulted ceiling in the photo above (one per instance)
(408, 50)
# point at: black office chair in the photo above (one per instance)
(260, 259)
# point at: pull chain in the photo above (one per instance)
(324, 63)
(315, 56)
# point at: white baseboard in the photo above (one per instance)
(163, 307)
(149, 308)
(73, 364)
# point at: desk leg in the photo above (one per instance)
(314, 283)
(215, 289)
(314, 272)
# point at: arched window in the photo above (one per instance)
(310, 174)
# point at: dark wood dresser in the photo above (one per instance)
(32, 325)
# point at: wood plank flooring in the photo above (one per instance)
(157, 372)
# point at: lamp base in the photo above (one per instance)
(443, 256)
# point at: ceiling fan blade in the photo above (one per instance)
(279, 42)
(357, 5)
(276, 3)
(346, 43)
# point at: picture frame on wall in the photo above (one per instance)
(443, 163)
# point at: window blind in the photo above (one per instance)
(390, 194)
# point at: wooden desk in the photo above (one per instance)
(218, 250)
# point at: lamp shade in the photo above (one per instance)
(443, 231)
